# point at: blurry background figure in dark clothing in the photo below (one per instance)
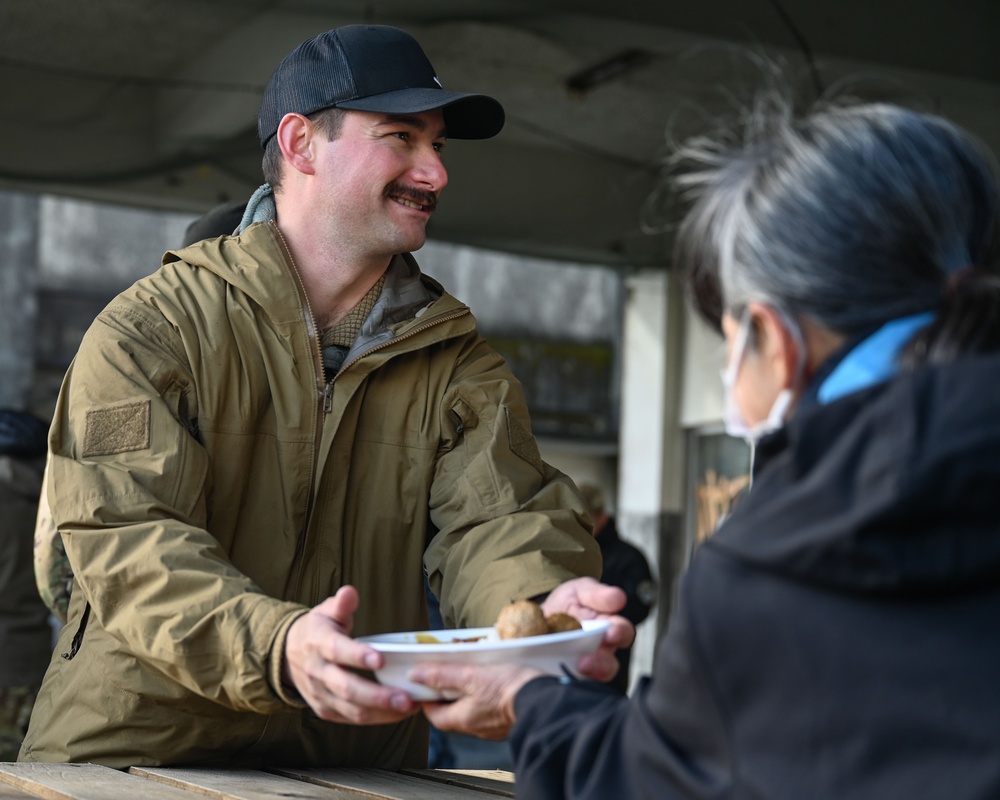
(626, 567)
(25, 635)
(222, 220)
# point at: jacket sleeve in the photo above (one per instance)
(667, 741)
(128, 489)
(509, 525)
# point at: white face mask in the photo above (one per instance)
(735, 422)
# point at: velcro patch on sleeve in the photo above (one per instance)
(522, 443)
(118, 429)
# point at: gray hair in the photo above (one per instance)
(851, 216)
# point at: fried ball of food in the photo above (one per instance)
(562, 622)
(521, 618)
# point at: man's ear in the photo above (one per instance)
(776, 344)
(295, 137)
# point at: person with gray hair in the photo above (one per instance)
(836, 636)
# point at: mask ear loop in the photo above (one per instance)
(795, 331)
(787, 396)
(732, 371)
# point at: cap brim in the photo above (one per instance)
(466, 116)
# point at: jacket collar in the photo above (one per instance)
(888, 489)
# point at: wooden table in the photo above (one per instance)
(92, 782)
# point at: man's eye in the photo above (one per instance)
(439, 146)
(404, 135)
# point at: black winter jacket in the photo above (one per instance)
(836, 638)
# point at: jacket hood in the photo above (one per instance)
(251, 262)
(890, 490)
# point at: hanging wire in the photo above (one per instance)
(803, 44)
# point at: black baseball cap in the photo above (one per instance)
(370, 68)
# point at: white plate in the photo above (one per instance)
(551, 652)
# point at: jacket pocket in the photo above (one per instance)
(77, 642)
(464, 417)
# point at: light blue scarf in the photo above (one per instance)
(874, 360)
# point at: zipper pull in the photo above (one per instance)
(328, 398)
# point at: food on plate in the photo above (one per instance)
(517, 620)
(520, 619)
(526, 618)
(430, 638)
(560, 622)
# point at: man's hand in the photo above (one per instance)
(319, 655)
(585, 598)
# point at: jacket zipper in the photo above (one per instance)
(300, 545)
(328, 392)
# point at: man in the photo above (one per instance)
(258, 445)
(624, 566)
(25, 635)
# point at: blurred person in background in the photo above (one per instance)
(624, 566)
(221, 220)
(25, 635)
(836, 637)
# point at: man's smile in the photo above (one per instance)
(408, 203)
(412, 198)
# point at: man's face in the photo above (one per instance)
(380, 179)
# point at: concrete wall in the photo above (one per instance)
(701, 385)
(558, 324)
(18, 305)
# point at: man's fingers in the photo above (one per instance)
(602, 598)
(585, 598)
(339, 695)
(347, 652)
(600, 666)
(341, 607)
(321, 660)
(621, 633)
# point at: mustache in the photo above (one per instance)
(420, 196)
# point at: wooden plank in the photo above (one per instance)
(83, 782)
(490, 781)
(502, 775)
(241, 784)
(383, 784)
(8, 792)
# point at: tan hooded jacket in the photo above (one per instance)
(210, 487)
